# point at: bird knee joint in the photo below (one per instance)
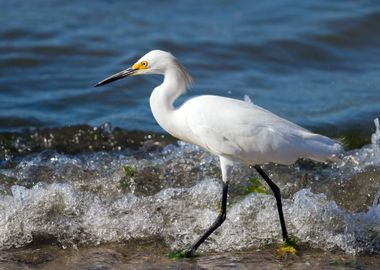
(276, 189)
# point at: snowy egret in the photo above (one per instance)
(234, 130)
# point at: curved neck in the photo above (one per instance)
(163, 97)
(166, 93)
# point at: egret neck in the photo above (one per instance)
(162, 99)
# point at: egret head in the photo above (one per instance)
(154, 62)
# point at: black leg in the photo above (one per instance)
(277, 195)
(219, 220)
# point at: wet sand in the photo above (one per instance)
(154, 256)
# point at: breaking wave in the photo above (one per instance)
(172, 192)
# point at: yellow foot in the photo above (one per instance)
(287, 250)
(288, 247)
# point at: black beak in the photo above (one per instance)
(117, 76)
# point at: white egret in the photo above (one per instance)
(234, 130)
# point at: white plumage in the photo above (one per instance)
(244, 132)
(234, 129)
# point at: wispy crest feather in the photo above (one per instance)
(188, 80)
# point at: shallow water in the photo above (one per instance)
(172, 192)
(154, 256)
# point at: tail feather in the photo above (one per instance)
(321, 148)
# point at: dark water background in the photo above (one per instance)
(314, 62)
(97, 191)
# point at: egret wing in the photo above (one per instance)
(245, 132)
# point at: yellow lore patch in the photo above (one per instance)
(140, 65)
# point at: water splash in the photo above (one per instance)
(173, 195)
(375, 140)
(369, 155)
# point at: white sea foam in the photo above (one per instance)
(174, 194)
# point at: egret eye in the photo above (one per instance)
(144, 64)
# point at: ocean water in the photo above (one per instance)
(315, 63)
(83, 166)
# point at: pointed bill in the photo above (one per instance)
(117, 76)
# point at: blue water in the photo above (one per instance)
(313, 62)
